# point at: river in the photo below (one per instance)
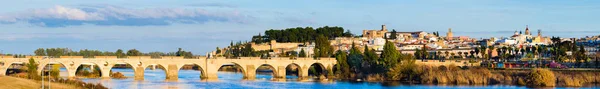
(189, 79)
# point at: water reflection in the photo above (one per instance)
(190, 79)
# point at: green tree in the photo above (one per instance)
(120, 53)
(32, 69)
(370, 62)
(390, 55)
(134, 52)
(393, 34)
(342, 64)
(218, 50)
(355, 59)
(370, 55)
(322, 47)
(302, 53)
(40, 52)
(55, 72)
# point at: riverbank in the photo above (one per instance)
(21, 83)
(442, 75)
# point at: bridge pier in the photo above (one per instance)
(172, 72)
(303, 73)
(139, 73)
(106, 71)
(211, 71)
(3, 70)
(250, 72)
(280, 75)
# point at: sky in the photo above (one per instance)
(200, 26)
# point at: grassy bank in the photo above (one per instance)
(21, 83)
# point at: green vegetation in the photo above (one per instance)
(86, 71)
(392, 65)
(302, 53)
(55, 71)
(322, 47)
(299, 34)
(57, 52)
(32, 69)
(240, 49)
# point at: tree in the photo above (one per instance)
(302, 53)
(393, 34)
(32, 69)
(120, 53)
(390, 55)
(247, 51)
(322, 47)
(473, 53)
(355, 59)
(134, 52)
(40, 52)
(218, 50)
(55, 72)
(342, 64)
(452, 55)
(348, 34)
(371, 61)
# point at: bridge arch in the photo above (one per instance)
(124, 66)
(195, 66)
(93, 68)
(237, 68)
(317, 69)
(270, 67)
(42, 66)
(293, 69)
(158, 69)
(7, 69)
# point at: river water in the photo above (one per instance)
(189, 79)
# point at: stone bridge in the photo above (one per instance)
(172, 64)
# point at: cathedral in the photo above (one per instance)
(528, 39)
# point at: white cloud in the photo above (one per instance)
(60, 16)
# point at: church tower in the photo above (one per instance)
(527, 30)
(539, 32)
(449, 35)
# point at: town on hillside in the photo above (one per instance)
(518, 50)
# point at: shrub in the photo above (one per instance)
(541, 78)
(118, 75)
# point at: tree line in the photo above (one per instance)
(300, 34)
(391, 64)
(86, 53)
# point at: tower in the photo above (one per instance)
(527, 30)
(383, 28)
(539, 32)
(449, 35)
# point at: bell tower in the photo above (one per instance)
(527, 30)
(449, 35)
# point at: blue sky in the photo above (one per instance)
(201, 25)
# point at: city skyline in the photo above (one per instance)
(200, 26)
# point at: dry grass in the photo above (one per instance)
(541, 78)
(576, 79)
(482, 76)
(20, 83)
(454, 75)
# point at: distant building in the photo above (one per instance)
(449, 35)
(375, 33)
